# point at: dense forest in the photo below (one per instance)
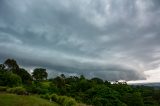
(68, 91)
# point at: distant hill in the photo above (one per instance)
(154, 84)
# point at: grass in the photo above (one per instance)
(17, 100)
(45, 84)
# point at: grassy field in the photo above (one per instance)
(16, 100)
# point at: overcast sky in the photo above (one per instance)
(109, 39)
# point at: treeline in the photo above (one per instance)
(12, 75)
(93, 91)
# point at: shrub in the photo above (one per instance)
(17, 90)
(39, 90)
(46, 96)
(3, 88)
(70, 102)
(63, 100)
(36, 90)
(12, 80)
(54, 97)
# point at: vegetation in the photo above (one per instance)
(16, 90)
(10, 79)
(15, 100)
(63, 100)
(39, 74)
(70, 91)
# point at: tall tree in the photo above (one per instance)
(39, 74)
(11, 64)
(25, 76)
(2, 66)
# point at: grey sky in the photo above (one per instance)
(110, 39)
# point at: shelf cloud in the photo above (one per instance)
(109, 39)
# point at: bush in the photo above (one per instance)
(70, 102)
(39, 90)
(36, 90)
(17, 90)
(12, 80)
(46, 96)
(63, 100)
(3, 88)
(54, 97)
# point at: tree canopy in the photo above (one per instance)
(11, 64)
(39, 74)
(95, 91)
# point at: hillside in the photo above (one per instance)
(155, 85)
(17, 100)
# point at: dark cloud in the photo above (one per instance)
(109, 39)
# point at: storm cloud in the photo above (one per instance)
(109, 39)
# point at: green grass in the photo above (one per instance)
(45, 84)
(17, 100)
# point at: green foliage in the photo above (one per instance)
(46, 96)
(94, 92)
(63, 100)
(59, 81)
(2, 66)
(11, 64)
(83, 85)
(39, 74)
(20, 100)
(54, 97)
(134, 99)
(3, 88)
(97, 80)
(2, 78)
(102, 95)
(53, 88)
(36, 89)
(11, 79)
(25, 76)
(17, 90)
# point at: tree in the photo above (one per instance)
(133, 99)
(8, 78)
(2, 66)
(97, 80)
(59, 81)
(39, 74)
(2, 78)
(11, 79)
(82, 77)
(63, 76)
(25, 76)
(11, 64)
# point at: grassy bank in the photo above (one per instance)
(17, 100)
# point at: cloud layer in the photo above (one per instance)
(113, 40)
